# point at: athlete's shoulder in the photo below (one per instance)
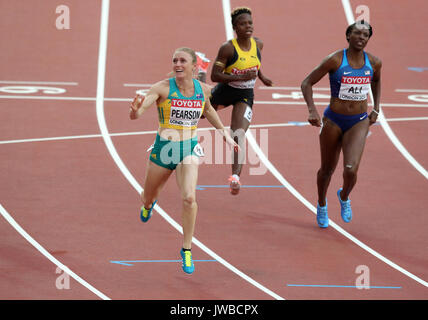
(336, 55)
(227, 45)
(226, 51)
(259, 42)
(375, 61)
(161, 84)
(161, 87)
(333, 60)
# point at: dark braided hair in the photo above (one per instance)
(237, 11)
(358, 24)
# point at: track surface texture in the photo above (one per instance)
(69, 154)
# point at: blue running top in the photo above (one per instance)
(347, 83)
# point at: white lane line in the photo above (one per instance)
(136, 133)
(350, 18)
(411, 90)
(43, 251)
(40, 82)
(48, 98)
(403, 105)
(62, 98)
(383, 105)
(137, 85)
(406, 119)
(292, 88)
(86, 136)
(124, 169)
(302, 199)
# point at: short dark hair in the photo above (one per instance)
(359, 23)
(237, 11)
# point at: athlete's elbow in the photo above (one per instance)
(216, 76)
(304, 85)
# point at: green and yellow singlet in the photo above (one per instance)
(180, 112)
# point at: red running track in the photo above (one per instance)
(69, 195)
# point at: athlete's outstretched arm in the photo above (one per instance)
(141, 103)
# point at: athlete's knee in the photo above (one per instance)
(189, 200)
(325, 172)
(350, 171)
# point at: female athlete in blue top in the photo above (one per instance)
(345, 124)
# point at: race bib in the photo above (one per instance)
(249, 84)
(198, 150)
(354, 88)
(248, 114)
(185, 113)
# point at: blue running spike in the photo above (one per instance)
(187, 265)
(145, 214)
(345, 208)
(322, 215)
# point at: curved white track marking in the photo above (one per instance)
(277, 174)
(124, 169)
(43, 251)
(302, 199)
(350, 18)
